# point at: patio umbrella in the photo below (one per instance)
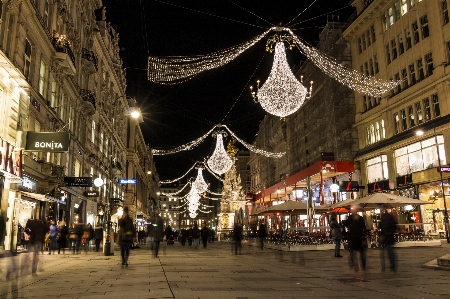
(376, 200)
(288, 207)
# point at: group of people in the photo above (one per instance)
(193, 235)
(356, 233)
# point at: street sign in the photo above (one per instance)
(443, 169)
(78, 181)
(127, 181)
(91, 193)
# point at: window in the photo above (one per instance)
(364, 103)
(359, 45)
(396, 123)
(368, 136)
(404, 8)
(412, 74)
(429, 63)
(397, 79)
(106, 147)
(397, 11)
(427, 109)
(369, 102)
(101, 142)
(93, 132)
(437, 110)
(54, 101)
(364, 46)
(424, 24)
(367, 68)
(62, 109)
(419, 113)
(401, 47)
(416, 33)
(376, 62)
(27, 64)
(391, 16)
(408, 39)
(373, 33)
(413, 2)
(411, 116)
(371, 67)
(444, 6)
(46, 14)
(369, 42)
(420, 69)
(377, 131)
(394, 49)
(372, 133)
(43, 80)
(388, 54)
(71, 123)
(377, 169)
(404, 122)
(383, 131)
(405, 78)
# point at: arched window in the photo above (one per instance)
(93, 132)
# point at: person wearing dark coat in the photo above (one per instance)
(98, 236)
(75, 233)
(195, 235)
(127, 234)
(36, 229)
(184, 234)
(159, 231)
(336, 234)
(189, 233)
(356, 233)
(62, 237)
(168, 232)
(204, 232)
(237, 233)
(388, 227)
(262, 234)
(88, 234)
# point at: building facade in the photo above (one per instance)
(61, 73)
(404, 135)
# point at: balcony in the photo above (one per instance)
(64, 56)
(89, 61)
(88, 100)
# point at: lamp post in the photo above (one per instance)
(420, 133)
(98, 182)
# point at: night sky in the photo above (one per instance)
(177, 114)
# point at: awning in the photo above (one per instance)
(324, 169)
(36, 196)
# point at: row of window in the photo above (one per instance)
(392, 51)
(375, 132)
(367, 39)
(414, 115)
(415, 72)
(398, 9)
(370, 68)
(370, 102)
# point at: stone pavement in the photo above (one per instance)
(186, 272)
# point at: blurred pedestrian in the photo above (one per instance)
(75, 233)
(262, 234)
(168, 232)
(356, 237)
(127, 234)
(36, 229)
(53, 232)
(190, 236)
(98, 236)
(204, 232)
(62, 237)
(336, 234)
(237, 233)
(195, 235)
(88, 234)
(388, 227)
(158, 231)
(183, 236)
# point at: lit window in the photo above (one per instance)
(437, 110)
(404, 7)
(396, 123)
(424, 24)
(429, 64)
(411, 117)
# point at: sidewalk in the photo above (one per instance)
(186, 272)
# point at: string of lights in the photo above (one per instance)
(348, 77)
(184, 147)
(212, 172)
(177, 179)
(213, 193)
(175, 193)
(174, 70)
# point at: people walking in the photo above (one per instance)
(98, 236)
(204, 232)
(184, 234)
(158, 231)
(75, 233)
(356, 237)
(36, 230)
(190, 236)
(88, 234)
(336, 234)
(262, 234)
(237, 233)
(53, 232)
(195, 235)
(168, 232)
(126, 235)
(388, 227)
(62, 237)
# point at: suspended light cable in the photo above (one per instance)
(251, 13)
(212, 172)
(301, 13)
(177, 179)
(175, 193)
(213, 193)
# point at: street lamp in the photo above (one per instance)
(420, 133)
(98, 182)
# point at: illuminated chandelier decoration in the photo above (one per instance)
(199, 184)
(174, 70)
(193, 202)
(219, 162)
(282, 94)
(196, 142)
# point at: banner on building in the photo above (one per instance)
(404, 180)
(348, 186)
(10, 158)
(48, 142)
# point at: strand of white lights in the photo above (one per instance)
(212, 198)
(199, 184)
(213, 193)
(185, 147)
(177, 179)
(254, 149)
(219, 162)
(175, 193)
(174, 70)
(282, 94)
(212, 172)
(348, 77)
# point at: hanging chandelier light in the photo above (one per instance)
(219, 162)
(199, 182)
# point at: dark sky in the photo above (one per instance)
(177, 114)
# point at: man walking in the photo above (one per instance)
(356, 234)
(262, 234)
(127, 234)
(204, 232)
(195, 235)
(158, 231)
(388, 226)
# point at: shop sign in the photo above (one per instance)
(127, 181)
(348, 186)
(78, 181)
(115, 202)
(91, 193)
(405, 180)
(10, 158)
(48, 142)
(61, 200)
(327, 156)
(378, 186)
(443, 169)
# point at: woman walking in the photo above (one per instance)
(62, 237)
(336, 234)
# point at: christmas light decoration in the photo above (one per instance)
(212, 172)
(213, 193)
(177, 179)
(199, 184)
(219, 162)
(282, 94)
(185, 147)
(174, 70)
(175, 193)
(348, 77)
